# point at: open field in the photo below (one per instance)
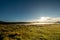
(29, 32)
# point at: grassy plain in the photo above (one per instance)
(29, 32)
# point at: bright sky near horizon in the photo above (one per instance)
(27, 10)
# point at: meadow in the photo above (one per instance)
(29, 32)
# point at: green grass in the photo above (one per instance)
(30, 32)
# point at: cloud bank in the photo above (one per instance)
(47, 19)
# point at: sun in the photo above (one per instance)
(43, 19)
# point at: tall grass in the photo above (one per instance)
(30, 32)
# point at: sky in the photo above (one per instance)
(28, 10)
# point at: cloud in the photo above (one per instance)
(55, 19)
(47, 19)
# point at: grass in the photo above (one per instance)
(30, 32)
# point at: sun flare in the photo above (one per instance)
(43, 19)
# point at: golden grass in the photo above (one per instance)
(30, 32)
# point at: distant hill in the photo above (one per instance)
(2, 22)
